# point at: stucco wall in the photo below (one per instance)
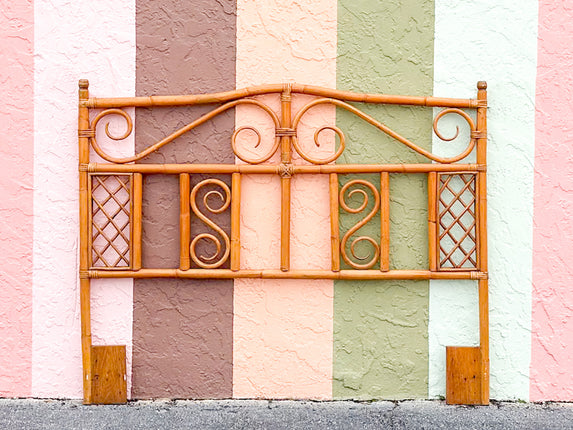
(381, 326)
(503, 53)
(72, 40)
(182, 328)
(16, 182)
(279, 339)
(283, 328)
(552, 314)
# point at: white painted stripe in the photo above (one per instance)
(496, 42)
(73, 40)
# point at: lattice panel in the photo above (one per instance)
(111, 221)
(457, 221)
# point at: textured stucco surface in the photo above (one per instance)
(16, 208)
(283, 328)
(182, 328)
(380, 328)
(72, 40)
(503, 52)
(283, 339)
(183, 339)
(552, 317)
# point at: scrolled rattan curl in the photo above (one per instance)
(370, 260)
(217, 259)
(336, 130)
(94, 124)
(385, 129)
(472, 142)
(201, 120)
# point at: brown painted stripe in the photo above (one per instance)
(183, 329)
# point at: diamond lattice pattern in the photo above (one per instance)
(111, 221)
(457, 221)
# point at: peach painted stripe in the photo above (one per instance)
(73, 40)
(16, 207)
(552, 317)
(283, 329)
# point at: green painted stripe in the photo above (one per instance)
(381, 328)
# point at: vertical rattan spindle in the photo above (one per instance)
(482, 238)
(235, 222)
(136, 204)
(85, 308)
(384, 221)
(433, 220)
(334, 223)
(286, 158)
(184, 221)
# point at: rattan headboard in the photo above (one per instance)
(111, 208)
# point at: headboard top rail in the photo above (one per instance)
(226, 96)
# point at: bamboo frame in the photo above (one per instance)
(432, 221)
(136, 207)
(334, 223)
(236, 222)
(291, 274)
(187, 100)
(175, 169)
(184, 221)
(285, 174)
(85, 307)
(376, 198)
(482, 247)
(384, 221)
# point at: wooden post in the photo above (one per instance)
(334, 223)
(286, 174)
(384, 221)
(482, 239)
(235, 222)
(184, 221)
(433, 247)
(84, 158)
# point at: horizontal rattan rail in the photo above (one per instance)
(174, 169)
(111, 208)
(279, 274)
(182, 100)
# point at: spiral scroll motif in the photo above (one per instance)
(222, 253)
(127, 133)
(369, 260)
(385, 129)
(201, 120)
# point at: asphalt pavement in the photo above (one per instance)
(280, 414)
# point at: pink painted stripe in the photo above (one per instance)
(283, 329)
(552, 324)
(16, 207)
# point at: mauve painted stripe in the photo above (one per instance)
(552, 318)
(183, 329)
(16, 181)
(283, 328)
(72, 40)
